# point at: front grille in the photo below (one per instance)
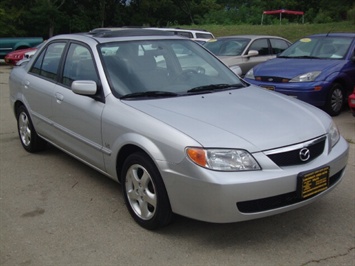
(291, 156)
(278, 201)
(271, 79)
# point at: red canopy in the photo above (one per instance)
(272, 12)
(282, 11)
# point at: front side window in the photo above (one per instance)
(47, 63)
(261, 46)
(79, 65)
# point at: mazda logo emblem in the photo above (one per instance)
(305, 154)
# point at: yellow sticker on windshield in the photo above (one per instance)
(212, 40)
(305, 40)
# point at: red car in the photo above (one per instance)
(352, 102)
(13, 57)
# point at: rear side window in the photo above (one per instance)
(278, 45)
(184, 34)
(204, 35)
(261, 46)
(47, 63)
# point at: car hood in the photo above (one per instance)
(250, 118)
(290, 68)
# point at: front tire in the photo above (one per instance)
(144, 192)
(30, 141)
(335, 100)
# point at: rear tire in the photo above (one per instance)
(144, 192)
(30, 141)
(335, 100)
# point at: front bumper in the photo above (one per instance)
(11, 61)
(224, 197)
(309, 92)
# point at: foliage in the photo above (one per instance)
(291, 31)
(50, 17)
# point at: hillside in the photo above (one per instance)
(291, 32)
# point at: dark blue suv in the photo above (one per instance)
(319, 69)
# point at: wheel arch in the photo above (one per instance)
(131, 142)
(123, 153)
(343, 80)
(17, 105)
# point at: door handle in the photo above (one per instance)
(26, 84)
(59, 97)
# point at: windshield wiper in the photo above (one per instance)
(150, 94)
(216, 87)
(306, 57)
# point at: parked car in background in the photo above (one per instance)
(352, 102)
(10, 44)
(319, 69)
(13, 57)
(246, 51)
(27, 56)
(201, 36)
(17, 56)
(175, 126)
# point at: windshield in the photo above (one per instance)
(227, 47)
(319, 47)
(164, 68)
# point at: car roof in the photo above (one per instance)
(180, 29)
(150, 28)
(118, 34)
(334, 34)
(249, 36)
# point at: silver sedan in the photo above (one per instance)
(243, 52)
(176, 127)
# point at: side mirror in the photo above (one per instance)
(252, 53)
(84, 87)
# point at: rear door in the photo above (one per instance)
(39, 87)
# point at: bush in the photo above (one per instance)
(322, 17)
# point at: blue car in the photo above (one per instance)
(319, 69)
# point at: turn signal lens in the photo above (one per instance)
(197, 155)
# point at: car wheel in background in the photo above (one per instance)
(144, 192)
(28, 136)
(335, 100)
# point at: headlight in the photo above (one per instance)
(333, 135)
(223, 159)
(250, 74)
(307, 77)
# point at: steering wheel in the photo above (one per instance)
(188, 73)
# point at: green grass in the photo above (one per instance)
(292, 32)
